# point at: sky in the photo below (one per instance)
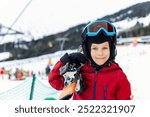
(44, 17)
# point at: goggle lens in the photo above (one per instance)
(94, 28)
(97, 25)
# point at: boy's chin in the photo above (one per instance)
(99, 63)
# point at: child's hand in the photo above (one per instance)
(73, 58)
(77, 57)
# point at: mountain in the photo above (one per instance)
(138, 10)
(70, 39)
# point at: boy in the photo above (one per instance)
(103, 77)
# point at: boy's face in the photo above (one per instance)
(100, 53)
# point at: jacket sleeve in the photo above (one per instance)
(124, 89)
(54, 78)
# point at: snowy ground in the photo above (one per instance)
(135, 62)
(37, 64)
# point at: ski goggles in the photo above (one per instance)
(94, 28)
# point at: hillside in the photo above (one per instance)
(51, 43)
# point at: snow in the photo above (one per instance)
(127, 24)
(4, 55)
(35, 64)
(134, 60)
(6, 85)
(135, 63)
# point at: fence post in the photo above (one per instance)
(32, 87)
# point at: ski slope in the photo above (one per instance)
(135, 62)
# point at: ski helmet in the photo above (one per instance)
(99, 31)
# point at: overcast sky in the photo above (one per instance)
(51, 16)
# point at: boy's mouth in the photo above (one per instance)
(100, 58)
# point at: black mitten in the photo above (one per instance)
(73, 58)
(77, 57)
(65, 58)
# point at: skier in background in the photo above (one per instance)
(2, 70)
(104, 78)
(48, 67)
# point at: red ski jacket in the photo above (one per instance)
(110, 83)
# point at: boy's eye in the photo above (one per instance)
(94, 48)
(105, 47)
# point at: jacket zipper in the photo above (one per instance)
(105, 93)
(94, 90)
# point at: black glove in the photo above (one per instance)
(73, 58)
